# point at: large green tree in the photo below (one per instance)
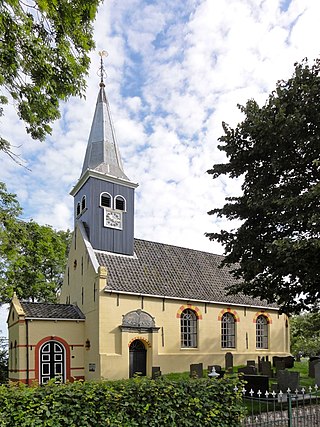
(32, 256)
(275, 252)
(305, 334)
(44, 49)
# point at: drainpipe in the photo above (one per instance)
(27, 349)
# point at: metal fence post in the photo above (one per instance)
(289, 410)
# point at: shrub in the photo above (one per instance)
(136, 402)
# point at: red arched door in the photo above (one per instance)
(137, 359)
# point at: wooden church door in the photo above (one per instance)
(52, 362)
(137, 359)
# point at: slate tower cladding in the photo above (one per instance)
(104, 195)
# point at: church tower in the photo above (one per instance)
(104, 195)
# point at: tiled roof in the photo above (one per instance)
(171, 271)
(39, 310)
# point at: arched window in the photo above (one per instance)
(228, 331)
(262, 332)
(105, 200)
(120, 203)
(188, 323)
(83, 203)
(78, 210)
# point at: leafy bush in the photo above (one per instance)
(136, 402)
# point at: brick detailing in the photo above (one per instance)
(229, 310)
(262, 313)
(191, 307)
(146, 342)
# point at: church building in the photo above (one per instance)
(128, 305)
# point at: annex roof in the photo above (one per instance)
(38, 310)
(162, 270)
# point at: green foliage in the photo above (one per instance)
(305, 334)
(137, 402)
(4, 355)
(32, 257)
(44, 49)
(276, 250)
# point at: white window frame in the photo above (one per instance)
(262, 332)
(124, 203)
(189, 329)
(111, 202)
(228, 331)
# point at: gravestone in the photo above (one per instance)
(248, 370)
(259, 363)
(265, 368)
(287, 379)
(196, 370)
(288, 361)
(229, 361)
(256, 383)
(156, 373)
(280, 365)
(312, 363)
(317, 374)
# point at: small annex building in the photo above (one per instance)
(128, 305)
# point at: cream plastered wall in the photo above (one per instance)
(164, 349)
(107, 352)
(83, 283)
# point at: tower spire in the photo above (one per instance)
(102, 153)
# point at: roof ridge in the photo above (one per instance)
(179, 247)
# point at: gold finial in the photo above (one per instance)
(101, 71)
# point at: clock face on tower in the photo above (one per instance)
(113, 219)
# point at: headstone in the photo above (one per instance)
(280, 365)
(266, 368)
(251, 363)
(259, 363)
(196, 370)
(248, 370)
(288, 361)
(317, 374)
(156, 373)
(287, 379)
(312, 364)
(229, 361)
(256, 383)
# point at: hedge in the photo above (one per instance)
(136, 402)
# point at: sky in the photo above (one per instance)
(175, 71)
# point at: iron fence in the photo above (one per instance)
(300, 408)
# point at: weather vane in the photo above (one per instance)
(101, 71)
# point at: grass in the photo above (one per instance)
(301, 367)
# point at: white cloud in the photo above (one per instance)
(176, 70)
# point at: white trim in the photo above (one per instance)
(102, 176)
(88, 246)
(115, 203)
(229, 304)
(55, 319)
(111, 201)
